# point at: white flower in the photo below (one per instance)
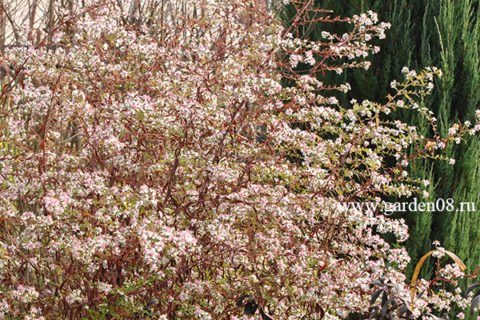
(309, 58)
(326, 35)
(295, 59)
(332, 100)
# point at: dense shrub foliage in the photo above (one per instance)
(160, 166)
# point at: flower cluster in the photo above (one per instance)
(162, 158)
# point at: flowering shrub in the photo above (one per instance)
(389, 299)
(161, 166)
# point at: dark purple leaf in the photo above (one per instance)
(404, 309)
(384, 298)
(377, 283)
(375, 296)
(421, 294)
(264, 316)
(472, 287)
(397, 289)
(392, 301)
(373, 312)
(250, 307)
(241, 300)
(475, 301)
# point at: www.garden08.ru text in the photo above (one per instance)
(389, 208)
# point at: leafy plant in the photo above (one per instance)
(133, 166)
